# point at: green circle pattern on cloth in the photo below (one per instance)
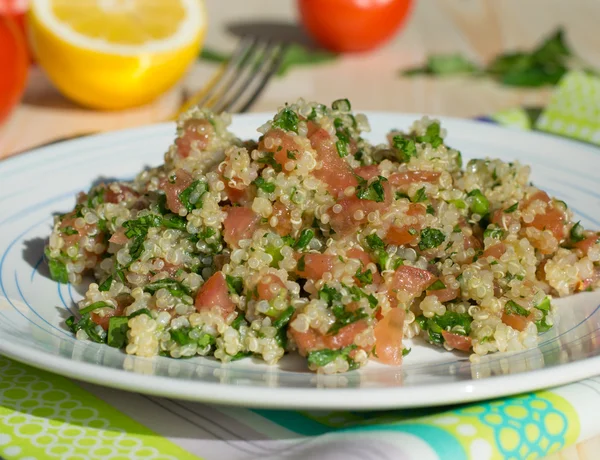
(45, 416)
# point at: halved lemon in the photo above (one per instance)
(112, 54)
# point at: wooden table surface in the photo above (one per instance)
(477, 28)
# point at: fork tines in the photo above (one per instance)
(238, 84)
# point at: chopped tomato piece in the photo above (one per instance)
(284, 222)
(406, 234)
(123, 193)
(312, 340)
(495, 251)
(503, 219)
(315, 265)
(355, 211)
(269, 287)
(554, 220)
(388, 337)
(282, 146)
(183, 180)
(411, 279)
(69, 222)
(585, 245)
(445, 294)
(242, 195)
(335, 171)
(460, 342)
(517, 322)
(197, 134)
(367, 172)
(539, 195)
(214, 294)
(119, 237)
(345, 335)
(358, 253)
(403, 179)
(107, 314)
(239, 224)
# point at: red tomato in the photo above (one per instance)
(239, 224)
(460, 342)
(197, 134)
(315, 265)
(388, 337)
(183, 180)
(215, 294)
(14, 62)
(269, 287)
(411, 279)
(352, 25)
(517, 322)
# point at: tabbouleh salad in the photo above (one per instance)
(314, 241)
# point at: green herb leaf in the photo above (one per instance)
(181, 335)
(141, 311)
(513, 308)
(373, 191)
(304, 239)
(206, 339)
(268, 158)
(106, 284)
(301, 264)
(432, 135)
(117, 331)
(329, 295)
(406, 351)
(95, 306)
(431, 238)
(173, 286)
(419, 196)
(94, 331)
(577, 233)
(58, 271)
(68, 231)
(430, 210)
(437, 285)
(191, 197)
(444, 65)
(241, 355)
(286, 120)
(323, 357)
(267, 187)
(239, 320)
(375, 243)
(365, 277)
(344, 317)
(406, 148)
(235, 284)
(174, 221)
(512, 208)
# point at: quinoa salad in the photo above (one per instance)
(314, 241)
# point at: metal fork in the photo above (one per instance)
(240, 80)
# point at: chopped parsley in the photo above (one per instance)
(175, 288)
(196, 190)
(329, 295)
(420, 196)
(174, 221)
(406, 351)
(373, 191)
(512, 208)
(431, 238)
(343, 136)
(280, 324)
(301, 263)
(287, 120)
(544, 306)
(138, 230)
(430, 210)
(457, 323)
(365, 277)
(239, 321)
(58, 271)
(437, 285)
(377, 247)
(68, 231)
(406, 148)
(304, 239)
(85, 323)
(577, 233)
(268, 158)
(235, 284)
(181, 336)
(513, 308)
(323, 357)
(106, 284)
(95, 306)
(344, 317)
(292, 154)
(265, 186)
(432, 135)
(117, 331)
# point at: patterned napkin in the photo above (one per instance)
(46, 416)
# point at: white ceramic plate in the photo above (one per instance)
(33, 308)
